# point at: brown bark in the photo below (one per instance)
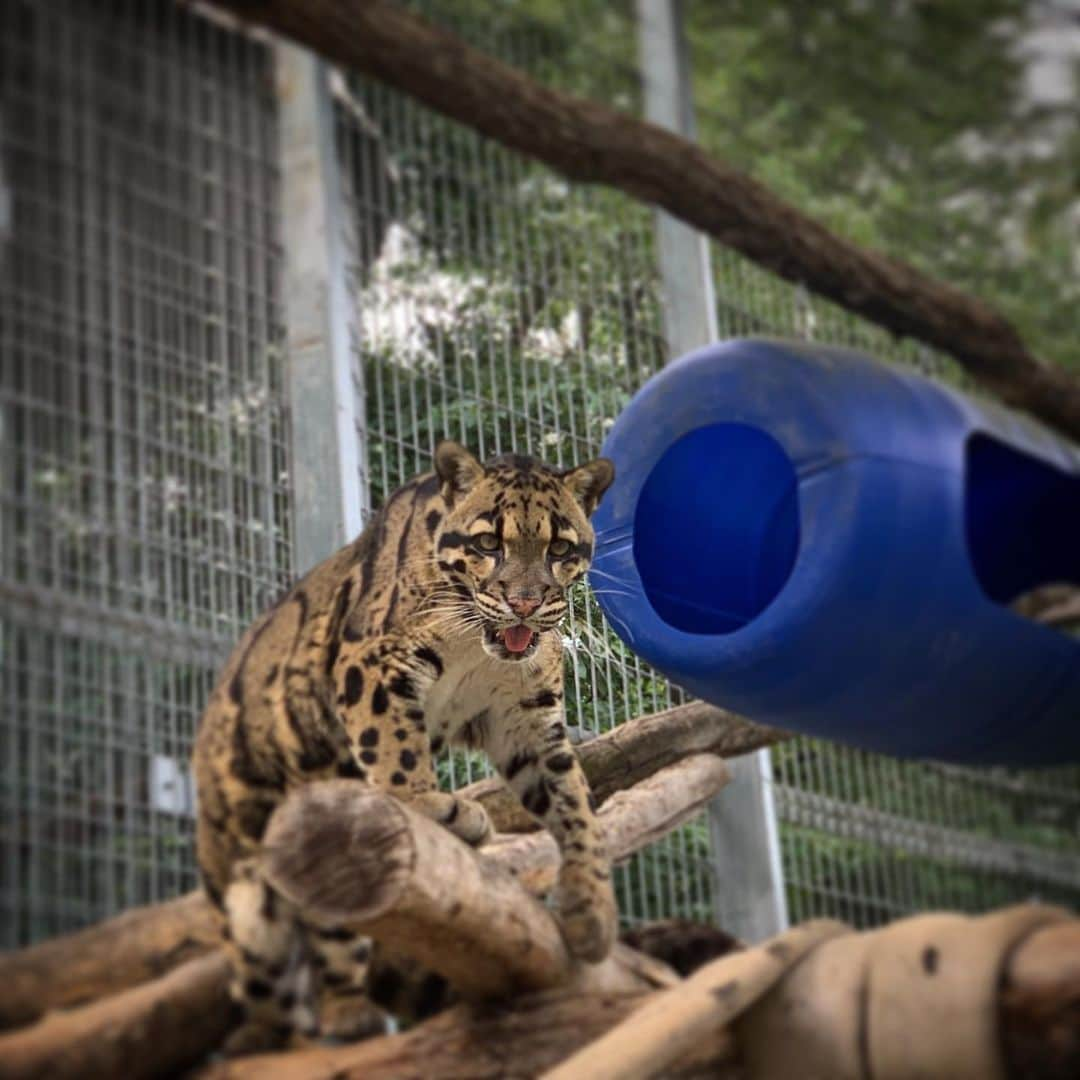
(631, 819)
(401, 878)
(666, 1030)
(171, 1022)
(962, 983)
(796, 1014)
(591, 143)
(141, 944)
(635, 750)
(345, 852)
(396, 875)
(520, 1039)
(130, 949)
(1040, 1006)
(151, 1031)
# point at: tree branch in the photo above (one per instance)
(667, 1028)
(138, 945)
(626, 755)
(522, 1038)
(592, 143)
(345, 851)
(129, 949)
(153, 1030)
(631, 819)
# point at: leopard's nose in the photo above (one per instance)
(523, 605)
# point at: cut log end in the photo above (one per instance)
(340, 851)
(1039, 1006)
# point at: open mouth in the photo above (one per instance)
(511, 642)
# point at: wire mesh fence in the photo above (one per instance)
(518, 312)
(503, 307)
(144, 427)
(865, 837)
(145, 499)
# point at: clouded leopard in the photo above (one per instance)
(437, 626)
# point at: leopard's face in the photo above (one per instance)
(515, 537)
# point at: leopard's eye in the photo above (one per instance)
(559, 548)
(486, 542)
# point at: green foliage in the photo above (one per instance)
(908, 129)
(869, 883)
(670, 878)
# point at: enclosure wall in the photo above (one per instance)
(145, 448)
(145, 509)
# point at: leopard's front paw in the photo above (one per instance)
(469, 821)
(587, 911)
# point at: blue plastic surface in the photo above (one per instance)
(824, 543)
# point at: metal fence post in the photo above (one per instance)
(326, 395)
(749, 887)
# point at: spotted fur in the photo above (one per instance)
(437, 626)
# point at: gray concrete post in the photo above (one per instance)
(325, 398)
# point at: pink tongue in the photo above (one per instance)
(517, 638)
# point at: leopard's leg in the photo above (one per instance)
(380, 687)
(272, 975)
(465, 818)
(379, 692)
(361, 983)
(404, 987)
(531, 750)
(342, 957)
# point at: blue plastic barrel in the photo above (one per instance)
(824, 543)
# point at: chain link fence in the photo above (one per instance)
(145, 445)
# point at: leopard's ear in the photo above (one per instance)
(587, 483)
(457, 468)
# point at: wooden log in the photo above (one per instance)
(1039, 1020)
(344, 852)
(413, 886)
(849, 1008)
(631, 819)
(1039, 1005)
(635, 750)
(153, 1030)
(130, 949)
(522, 1038)
(347, 853)
(141, 944)
(810, 1015)
(672, 1024)
(1040, 1028)
(589, 142)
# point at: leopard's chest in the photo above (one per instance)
(474, 689)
